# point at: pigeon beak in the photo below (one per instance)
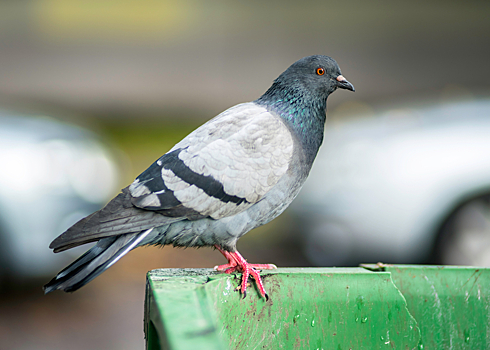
(344, 84)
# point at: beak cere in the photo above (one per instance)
(341, 78)
(344, 84)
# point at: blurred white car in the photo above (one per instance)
(407, 186)
(52, 174)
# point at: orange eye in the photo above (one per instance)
(320, 71)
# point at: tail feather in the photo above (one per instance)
(95, 261)
(88, 256)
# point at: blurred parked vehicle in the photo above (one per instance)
(406, 186)
(52, 174)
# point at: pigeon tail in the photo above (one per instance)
(95, 261)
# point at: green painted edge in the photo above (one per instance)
(166, 304)
(187, 287)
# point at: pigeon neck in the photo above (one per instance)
(304, 114)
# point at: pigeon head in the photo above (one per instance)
(299, 95)
(301, 91)
(317, 75)
(310, 80)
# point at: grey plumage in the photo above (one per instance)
(238, 171)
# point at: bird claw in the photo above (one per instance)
(237, 263)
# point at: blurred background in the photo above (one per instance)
(92, 92)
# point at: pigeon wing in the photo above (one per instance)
(220, 169)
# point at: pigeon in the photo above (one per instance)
(234, 173)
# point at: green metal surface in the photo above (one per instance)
(314, 308)
(380, 306)
(451, 304)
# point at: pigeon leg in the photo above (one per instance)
(236, 262)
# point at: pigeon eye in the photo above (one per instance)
(320, 71)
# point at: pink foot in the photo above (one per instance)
(236, 262)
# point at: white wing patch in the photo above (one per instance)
(249, 159)
(245, 148)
